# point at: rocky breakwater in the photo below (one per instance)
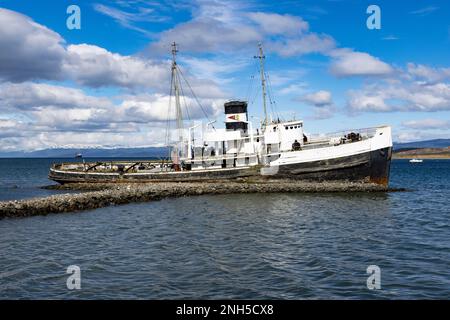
(96, 196)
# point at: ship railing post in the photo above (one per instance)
(251, 135)
(190, 140)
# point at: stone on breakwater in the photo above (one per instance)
(102, 195)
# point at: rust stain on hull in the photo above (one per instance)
(384, 181)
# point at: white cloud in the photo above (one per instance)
(323, 112)
(94, 66)
(146, 108)
(352, 63)
(295, 88)
(319, 98)
(417, 135)
(366, 100)
(218, 27)
(31, 51)
(129, 19)
(390, 37)
(11, 128)
(28, 50)
(77, 117)
(278, 24)
(428, 74)
(46, 109)
(7, 124)
(322, 102)
(306, 44)
(215, 27)
(427, 124)
(52, 103)
(44, 139)
(25, 96)
(226, 27)
(207, 35)
(48, 119)
(283, 77)
(400, 96)
(214, 68)
(407, 136)
(424, 11)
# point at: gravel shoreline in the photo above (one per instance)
(102, 195)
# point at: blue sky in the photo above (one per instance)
(107, 83)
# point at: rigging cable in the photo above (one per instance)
(185, 102)
(249, 88)
(252, 83)
(273, 104)
(251, 97)
(195, 97)
(257, 91)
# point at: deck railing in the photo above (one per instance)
(365, 133)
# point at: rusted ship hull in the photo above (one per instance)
(373, 166)
(67, 176)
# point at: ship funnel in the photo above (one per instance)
(236, 116)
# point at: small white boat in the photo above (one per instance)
(416, 160)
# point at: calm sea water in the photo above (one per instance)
(282, 246)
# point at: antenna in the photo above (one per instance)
(261, 58)
(174, 53)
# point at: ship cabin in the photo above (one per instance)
(283, 137)
(230, 147)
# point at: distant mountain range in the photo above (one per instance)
(157, 152)
(436, 143)
(149, 152)
(423, 153)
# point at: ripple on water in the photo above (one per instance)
(282, 246)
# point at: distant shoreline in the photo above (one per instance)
(421, 156)
(423, 153)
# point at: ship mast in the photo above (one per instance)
(261, 58)
(176, 82)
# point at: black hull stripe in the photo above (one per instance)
(371, 166)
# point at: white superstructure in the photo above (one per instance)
(275, 144)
